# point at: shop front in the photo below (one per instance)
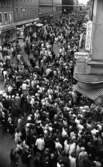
(7, 34)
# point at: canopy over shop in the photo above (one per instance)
(7, 34)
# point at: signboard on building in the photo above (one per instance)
(88, 43)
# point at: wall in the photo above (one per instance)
(45, 7)
(57, 7)
(97, 41)
(49, 7)
(25, 9)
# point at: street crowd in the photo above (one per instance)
(50, 125)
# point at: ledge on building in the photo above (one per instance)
(7, 27)
(89, 90)
(96, 62)
(26, 22)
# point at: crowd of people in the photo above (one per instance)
(38, 107)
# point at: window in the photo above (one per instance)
(4, 3)
(0, 18)
(23, 12)
(23, 9)
(16, 10)
(6, 17)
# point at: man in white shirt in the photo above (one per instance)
(24, 86)
(10, 88)
(40, 143)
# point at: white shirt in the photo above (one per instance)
(97, 163)
(72, 148)
(18, 56)
(1, 107)
(17, 137)
(32, 101)
(24, 86)
(10, 89)
(72, 161)
(64, 133)
(66, 146)
(32, 83)
(40, 143)
(58, 145)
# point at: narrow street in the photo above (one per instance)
(6, 143)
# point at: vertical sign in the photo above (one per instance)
(88, 43)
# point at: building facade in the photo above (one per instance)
(6, 12)
(45, 7)
(25, 10)
(14, 13)
(57, 8)
(89, 65)
(7, 27)
(22, 11)
(50, 7)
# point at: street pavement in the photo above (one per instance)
(6, 143)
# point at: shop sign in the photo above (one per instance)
(88, 43)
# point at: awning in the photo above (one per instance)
(26, 22)
(2, 92)
(7, 27)
(29, 24)
(39, 24)
(92, 91)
